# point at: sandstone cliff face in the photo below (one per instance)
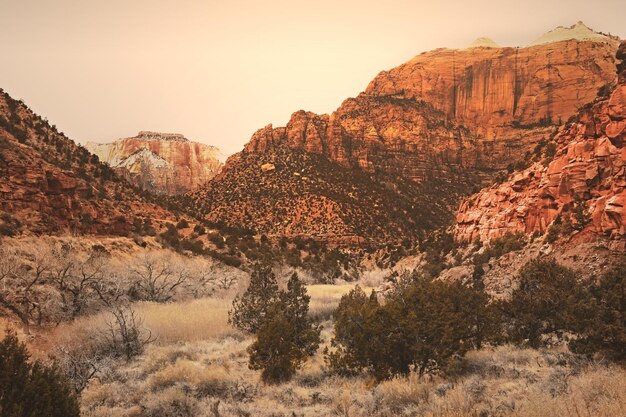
(161, 163)
(583, 184)
(48, 184)
(379, 134)
(471, 111)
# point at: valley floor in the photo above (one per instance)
(198, 367)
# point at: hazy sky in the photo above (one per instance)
(218, 70)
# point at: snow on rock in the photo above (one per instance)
(143, 156)
(484, 43)
(579, 31)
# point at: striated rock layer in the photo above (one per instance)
(475, 110)
(583, 184)
(162, 163)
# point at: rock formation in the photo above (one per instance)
(580, 182)
(448, 120)
(473, 110)
(162, 163)
(50, 185)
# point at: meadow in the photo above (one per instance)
(197, 366)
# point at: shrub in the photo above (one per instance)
(424, 324)
(31, 389)
(125, 336)
(510, 242)
(601, 322)
(182, 224)
(544, 303)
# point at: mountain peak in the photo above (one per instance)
(484, 42)
(578, 31)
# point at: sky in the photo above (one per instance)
(216, 71)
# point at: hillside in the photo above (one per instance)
(162, 163)
(50, 185)
(290, 192)
(576, 184)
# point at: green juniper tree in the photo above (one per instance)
(31, 389)
(544, 304)
(285, 335)
(423, 324)
(601, 322)
(250, 309)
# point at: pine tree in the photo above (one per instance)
(31, 389)
(286, 337)
(250, 309)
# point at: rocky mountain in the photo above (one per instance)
(49, 184)
(576, 184)
(506, 98)
(162, 163)
(458, 117)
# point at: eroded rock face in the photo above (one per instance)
(468, 112)
(162, 163)
(583, 184)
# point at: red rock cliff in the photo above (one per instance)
(583, 184)
(160, 162)
(472, 111)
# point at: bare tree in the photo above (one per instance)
(77, 277)
(156, 279)
(80, 365)
(125, 335)
(20, 282)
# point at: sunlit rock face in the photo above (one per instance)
(162, 163)
(585, 179)
(475, 110)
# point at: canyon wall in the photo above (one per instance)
(582, 186)
(463, 111)
(162, 163)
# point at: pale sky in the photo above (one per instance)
(218, 70)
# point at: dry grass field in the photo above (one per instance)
(198, 367)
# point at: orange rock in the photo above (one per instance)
(588, 173)
(164, 163)
(470, 111)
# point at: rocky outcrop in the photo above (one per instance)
(471, 111)
(162, 163)
(581, 187)
(50, 185)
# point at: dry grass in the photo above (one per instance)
(211, 377)
(182, 322)
(325, 298)
(190, 321)
(199, 368)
